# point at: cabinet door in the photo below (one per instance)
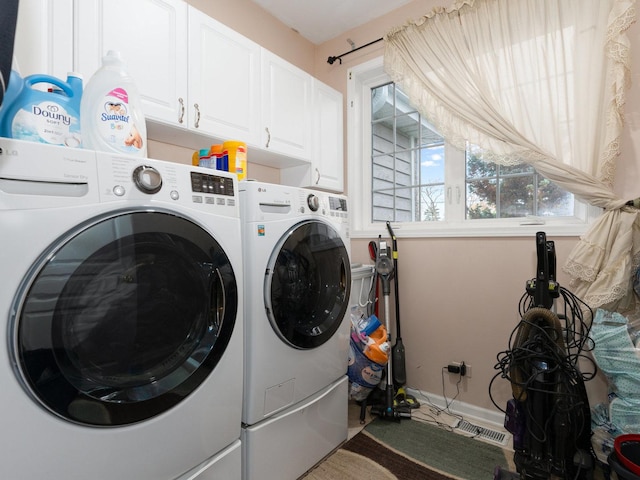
(224, 80)
(44, 38)
(328, 145)
(286, 108)
(325, 171)
(151, 35)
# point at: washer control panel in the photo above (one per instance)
(211, 183)
(147, 180)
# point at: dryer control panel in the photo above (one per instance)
(338, 204)
(265, 202)
(323, 203)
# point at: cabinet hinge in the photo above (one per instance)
(349, 75)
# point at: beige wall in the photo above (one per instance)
(459, 296)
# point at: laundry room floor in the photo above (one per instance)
(425, 414)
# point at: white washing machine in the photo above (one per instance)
(122, 304)
(297, 286)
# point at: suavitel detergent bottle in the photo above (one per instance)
(49, 114)
(112, 118)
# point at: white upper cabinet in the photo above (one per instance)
(200, 82)
(328, 155)
(151, 36)
(325, 171)
(286, 107)
(224, 87)
(44, 38)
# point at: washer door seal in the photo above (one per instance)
(124, 318)
(308, 284)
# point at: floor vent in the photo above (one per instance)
(482, 433)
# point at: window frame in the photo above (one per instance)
(360, 80)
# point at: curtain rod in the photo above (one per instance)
(330, 60)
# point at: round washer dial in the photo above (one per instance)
(313, 202)
(147, 179)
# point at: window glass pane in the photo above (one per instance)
(405, 203)
(382, 138)
(383, 173)
(407, 161)
(407, 129)
(515, 169)
(404, 168)
(481, 199)
(516, 196)
(553, 200)
(477, 168)
(432, 165)
(432, 204)
(381, 104)
(383, 206)
(498, 191)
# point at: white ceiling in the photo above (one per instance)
(322, 20)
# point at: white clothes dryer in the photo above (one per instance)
(297, 287)
(121, 300)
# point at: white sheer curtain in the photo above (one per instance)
(541, 82)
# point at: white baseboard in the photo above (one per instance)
(492, 418)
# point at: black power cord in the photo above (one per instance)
(576, 337)
(544, 374)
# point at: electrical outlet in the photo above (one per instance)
(458, 365)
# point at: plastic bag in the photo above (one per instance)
(619, 360)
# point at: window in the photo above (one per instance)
(401, 170)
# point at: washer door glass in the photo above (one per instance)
(307, 285)
(124, 318)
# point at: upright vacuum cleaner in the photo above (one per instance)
(402, 398)
(387, 410)
(549, 415)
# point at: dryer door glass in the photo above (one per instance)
(307, 285)
(124, 318)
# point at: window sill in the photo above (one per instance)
(489, 229)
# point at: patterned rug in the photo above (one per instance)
(410, 450)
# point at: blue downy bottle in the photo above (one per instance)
(50, 115)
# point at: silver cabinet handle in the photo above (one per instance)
(458, 194)
(197, 122)
(449, 195)
(318, 178)
(181, 116)
(266, 129)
